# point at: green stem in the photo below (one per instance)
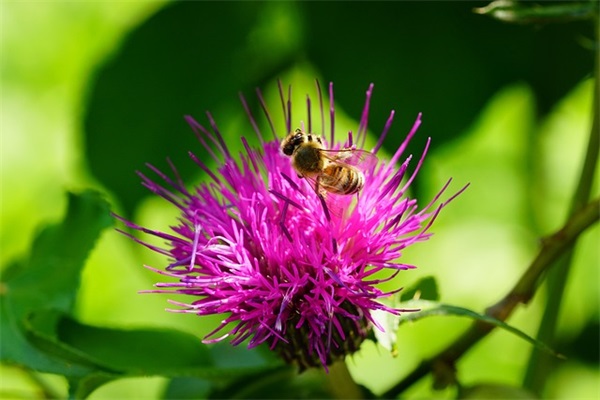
(341, 384)
(553, 247)
(540, 365)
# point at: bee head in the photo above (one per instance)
(293, 140)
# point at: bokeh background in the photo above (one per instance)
(91, 91)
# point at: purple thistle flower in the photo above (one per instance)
(257, 244)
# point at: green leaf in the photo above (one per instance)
(116, 353)
(80, 388)
(41, 330)
(184, 388)
(425, 289)
(172, 66)
(494, 391)
(430, 308)
(50, 279)
(280, 382)
(225, 356)
(164, 352)
(427, 70)
(137, 351)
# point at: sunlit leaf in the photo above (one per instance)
(494, 391)
(430, 308)
(424, 289)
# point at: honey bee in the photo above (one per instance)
(338, 172)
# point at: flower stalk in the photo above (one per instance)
(341, 384)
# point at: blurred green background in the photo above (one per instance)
(91, 91)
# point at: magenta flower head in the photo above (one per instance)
(287, 251)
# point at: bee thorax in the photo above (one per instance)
(308, 160)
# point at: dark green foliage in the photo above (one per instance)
(440, 59)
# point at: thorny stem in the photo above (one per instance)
(553, 247)
(540, 365)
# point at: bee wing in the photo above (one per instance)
(330, 200)
(360, 159)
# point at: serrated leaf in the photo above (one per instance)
(49, 278)
(430, 308)
(16, 349)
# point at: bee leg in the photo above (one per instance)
(322, 200)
